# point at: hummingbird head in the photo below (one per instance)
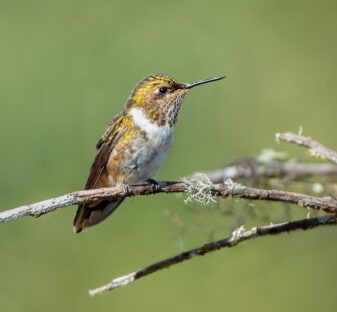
(160, 96)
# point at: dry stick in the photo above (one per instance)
(326, 204)
(330, 189)
(231, 241)
(316, 149)
(243, 170)
(250, 170)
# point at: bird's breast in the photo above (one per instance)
(148, 150)
(157, 139)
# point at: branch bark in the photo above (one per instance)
(214, 186)
(316, 149)
(327, 204)
(231, 241)
(251, 170)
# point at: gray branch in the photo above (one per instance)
(327, 204)
(237, 237)
(251, 170)
(214, 186)
(316, 149)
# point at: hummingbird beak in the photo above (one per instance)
(191, 85)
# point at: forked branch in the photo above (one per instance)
(316, 149)
(204, 190)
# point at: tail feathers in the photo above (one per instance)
(89, 215)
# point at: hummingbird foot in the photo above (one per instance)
(154, 183)
(126, 189)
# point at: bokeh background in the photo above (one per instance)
(66, 69)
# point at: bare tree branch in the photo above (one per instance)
(251, 170)
(236, 238)
(330, 189)
(326, 204)
(203, 188)
(316, 149)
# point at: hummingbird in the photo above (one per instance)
(136, 143)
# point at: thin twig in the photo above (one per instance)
(329, 189)
(251, 170)
(231, 241)
(316, 149)
(204, 191)
(326, 204)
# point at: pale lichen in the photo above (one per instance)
(317, 187)
(308, 214)
(232, 185)
(181, 246)
(300, 130)
(269, 156)
(236, 234)
(277, 137)
(199, 188)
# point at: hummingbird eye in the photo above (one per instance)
(163, 90)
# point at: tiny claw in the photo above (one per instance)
(126, 189)
(154, 183)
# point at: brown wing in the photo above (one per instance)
(104, 146)
(88, 215)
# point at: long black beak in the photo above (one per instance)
(191, 85)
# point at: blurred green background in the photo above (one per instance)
(66, 69)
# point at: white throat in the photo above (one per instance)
(151, 128)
